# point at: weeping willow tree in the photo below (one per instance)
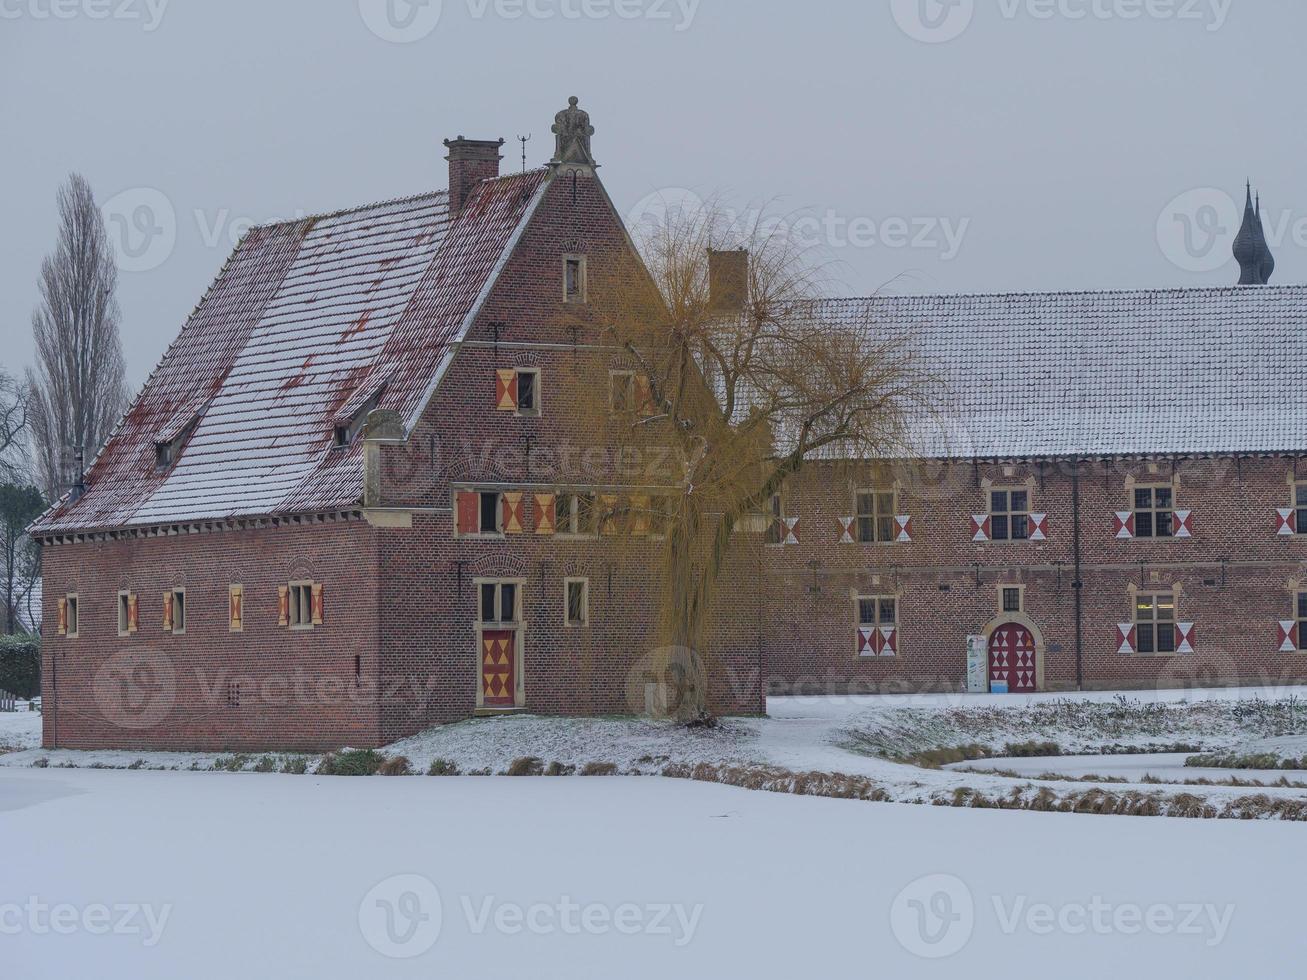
(736, 373)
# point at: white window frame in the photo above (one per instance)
(876, 515)
(1173, 622)
(1008, 490)
(584, 583)
(124, 613)
(178, 593)
(1153, 509)
(294, 591)
(72, 614)
(519, 590)
(538, 410)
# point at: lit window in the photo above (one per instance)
(576, 598)
(1154, 512)
(1155, 622)
(1009, 515)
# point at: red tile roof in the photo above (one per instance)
(305, 324)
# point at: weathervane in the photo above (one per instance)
(523, 140)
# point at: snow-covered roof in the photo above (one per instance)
(308, 321)
(1156, 372)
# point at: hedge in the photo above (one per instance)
(20, 664)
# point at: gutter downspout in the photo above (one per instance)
(1077, 584)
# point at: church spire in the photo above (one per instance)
(1256, 264)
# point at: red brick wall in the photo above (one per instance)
(153, 689)
(1235, 577)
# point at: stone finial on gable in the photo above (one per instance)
(572, 132)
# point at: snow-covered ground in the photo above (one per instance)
(867, 737)
(196, 875)
(1167, 766)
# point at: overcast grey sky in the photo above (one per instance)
(989, 146)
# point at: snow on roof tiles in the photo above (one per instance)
(308, 318)
(1156, 372)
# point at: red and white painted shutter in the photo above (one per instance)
(513, 519)
(316, 599)
(865, 642)
(1184, 637)
(167, 610)
(133, 614)
(545, 504)
(981, 528)
(236, 608)
(1038, 527)
(847, 525)
(903, 529)
(1184, 524)
(506, 390)
(889, 641)
(63, 617)
(1128, 638)
(468, 507)
(1288, 636)
(1287, 524)
(283, 605)
(789, 530)
(1124, 524)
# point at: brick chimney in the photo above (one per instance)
(728, 280)
(470, 162)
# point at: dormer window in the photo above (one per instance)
(168, 447)
(347, 431)
(162, 455)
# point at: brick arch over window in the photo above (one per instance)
(1020, 619)
(499, 566)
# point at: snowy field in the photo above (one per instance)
(874, 739)
(199, 875)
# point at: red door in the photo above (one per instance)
(1012, 659)
(498, 655)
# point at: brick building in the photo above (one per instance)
(350, 502)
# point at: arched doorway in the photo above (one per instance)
(1012, 660)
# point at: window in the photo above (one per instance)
(621, 391)
(1155, 622)
(1300, 505)
(575, 513)
(70, 615)
(875, 516)
(574, 279)
(879, 610)
(162, 455)
(348, 430)
(301, 605)
(576, 601)
(491, 509)
(179, 610)
(1009, 515)
(127, 621)
(498, 602)
(1154, 512)
(1300, 614)
(1012, 599)
(528, 391)
(775, 527)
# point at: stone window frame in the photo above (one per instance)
(583, 291)
(1299, 616)
(1153, 510)
(1009, 514)
(1157, 591)
(1003, 589)
(584, 620)
(536, 391)
(563, 525)
(519, 601)
(296, 588)
(1298, 503)
(124, 612)
(630, 376)
(72, 615)
(877, 491)
(178, 591)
